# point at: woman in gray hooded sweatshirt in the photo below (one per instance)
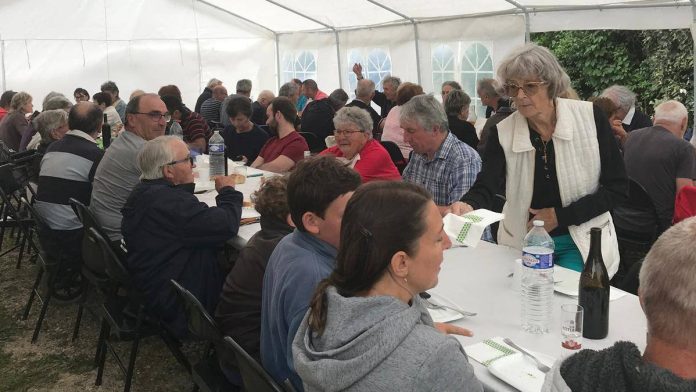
(366, 329)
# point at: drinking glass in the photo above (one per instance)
(571, 328)
(240, 174)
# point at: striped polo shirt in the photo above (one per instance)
(67, 170)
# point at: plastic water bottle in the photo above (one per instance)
(216, 151)
(537, 279)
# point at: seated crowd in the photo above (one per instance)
(325, 294)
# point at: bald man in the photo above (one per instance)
(364, 92)
(259, 107)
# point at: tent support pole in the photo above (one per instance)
(277, 55)
(338, 60)
(416, 37)
(527, 24)
(2, 64)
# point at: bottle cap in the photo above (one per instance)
(538, 223)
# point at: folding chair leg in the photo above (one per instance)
(44, 308)
(78, 320)
(174, 348)
(100, 356)
(133, 354)
(34, 288)
(21, 249)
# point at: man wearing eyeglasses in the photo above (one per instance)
(118, 173)
(171, 235)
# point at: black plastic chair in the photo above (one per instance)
(315, 145)
(93, 269)
(206, 373)
(637, 227)
(255, 377)
(395, 154)
(12, 183)
(124, 315)
(51, 263)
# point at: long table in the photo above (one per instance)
(476, 279)
(250, 186)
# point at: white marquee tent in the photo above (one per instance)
(62, 44)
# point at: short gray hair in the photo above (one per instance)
(456, 100)
(671, 111)
(214, 82)
(622, 96)
(668, 288)
(452, 84)
(365, 88)
(338, 98)
(488, 86)
(393, 80)
(534, 61)
(356, 116)
(288, 90)
(49, 120)
(20, 99)
(244, 85)
(155, 154)
(426, 111)
(57, 102)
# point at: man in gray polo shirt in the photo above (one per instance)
(118, 172)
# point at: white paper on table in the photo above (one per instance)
(467, 229)
(489, 350)
(567, 281)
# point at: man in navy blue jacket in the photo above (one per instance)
(171, 235)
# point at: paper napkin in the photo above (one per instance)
(467, 229)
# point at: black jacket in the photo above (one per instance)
(171, 235)
(317, 118)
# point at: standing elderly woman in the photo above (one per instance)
(51, 125)
(355, 145)
(559, 159)
(15, 123)
(457, 109)
(366, 328)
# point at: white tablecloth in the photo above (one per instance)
(252, 184)
(476, 280)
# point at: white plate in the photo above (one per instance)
(250, 212)
(520, 371)
(569, 280)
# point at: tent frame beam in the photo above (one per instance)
(333, 29)
(527, 37)
(416, 36)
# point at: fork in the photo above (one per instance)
(543, 368)
(432, 305)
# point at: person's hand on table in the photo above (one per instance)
(460, 208)
(450, 329)
(223, 181)
(548, 215)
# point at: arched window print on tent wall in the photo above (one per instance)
(302, 65)
(443, 61)
(476, 65)
(376, 64)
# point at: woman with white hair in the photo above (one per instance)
(559, 159)
(355, 146)
(15, 123)
(50, 125)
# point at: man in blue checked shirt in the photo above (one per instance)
(441, 163)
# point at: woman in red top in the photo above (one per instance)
(355, 146)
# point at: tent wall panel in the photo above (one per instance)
(323, 45)
(618, 19)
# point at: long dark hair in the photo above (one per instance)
(381, 218)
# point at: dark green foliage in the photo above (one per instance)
(656, 64)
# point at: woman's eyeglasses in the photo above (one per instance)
(341, 132)
(529, 88)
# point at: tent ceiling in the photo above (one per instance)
(286, 16)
